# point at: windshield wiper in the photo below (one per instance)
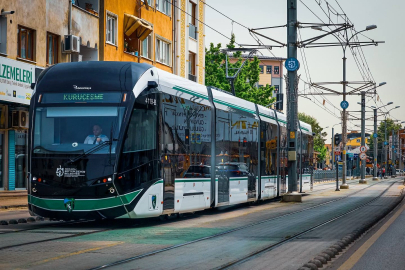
(89, 152)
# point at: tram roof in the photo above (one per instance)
(96, 75)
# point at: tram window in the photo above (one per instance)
(184, 118)
(140, 158)
(65, 129)
(269, 139)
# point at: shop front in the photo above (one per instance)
(15, 95)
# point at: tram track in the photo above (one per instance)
(130, 259)
(295, 236)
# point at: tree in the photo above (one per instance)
(319, 138)
(391, 126)
(245, 83)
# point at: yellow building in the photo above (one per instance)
(156, 32)
(354, 140)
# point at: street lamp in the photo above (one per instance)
(385, 135)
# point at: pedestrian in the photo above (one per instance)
(380, 173)
(383, 172)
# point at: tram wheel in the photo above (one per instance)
(163, 217)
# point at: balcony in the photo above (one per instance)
(86, 26)
(192, 77)
(192, 31)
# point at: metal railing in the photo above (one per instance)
(192, 31)
(192, 77)
(325, 175)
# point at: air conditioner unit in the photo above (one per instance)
(72, 44)
(19, 119)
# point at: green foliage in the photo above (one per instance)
(319, 141)
(391, 126)
(247, 79)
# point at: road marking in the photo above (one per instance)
(363, 249)
(75, 253)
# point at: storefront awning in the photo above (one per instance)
(132, 24)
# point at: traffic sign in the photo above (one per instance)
(337, 153)
(292, 64)
(344, 104)
(375, 135)
(363, 156)
(395, 151)
(363, 149)
(385, 143)
(393, 147)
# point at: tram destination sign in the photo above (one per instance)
(111, 97)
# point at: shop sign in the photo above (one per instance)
(15, 81)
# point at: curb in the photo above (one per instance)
(344, 242)
(14, 206)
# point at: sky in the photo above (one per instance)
(384, 62)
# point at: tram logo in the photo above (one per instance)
(154, 202)
(60, 171)
(69, 204)
(81, 87)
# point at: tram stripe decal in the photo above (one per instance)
(192, 180)
(188, 91)
(84, 204)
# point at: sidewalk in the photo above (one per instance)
(13, 199)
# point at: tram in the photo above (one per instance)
(128, 140)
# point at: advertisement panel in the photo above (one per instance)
(15, 81)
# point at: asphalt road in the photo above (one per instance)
(381, 248)
(221, 237)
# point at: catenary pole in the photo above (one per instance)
(375, 178)
(292, 98)
(344, 127)
(385, 148)
(363, 136)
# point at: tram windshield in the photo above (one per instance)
(75, 130)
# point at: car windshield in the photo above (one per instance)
(75, 129)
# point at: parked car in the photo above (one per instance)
(234, 169)
(195, 171)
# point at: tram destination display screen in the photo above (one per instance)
(110, 97)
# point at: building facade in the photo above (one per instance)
(165, 34)
(32, 37)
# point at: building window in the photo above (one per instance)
(111, 28)
(150, 3)
(162, 52)
(261, 69)
(164, 6)
(276, 88)
(146, 50)
(358, 140)
(26, 40)
(192, 67)
(52, 42)
(3, 34)
(193, 21)
(268, 69)
(276, 70)
(260, 85)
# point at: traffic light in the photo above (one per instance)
(337, 138)
(187, 139)
(244, 142)
(279, 105)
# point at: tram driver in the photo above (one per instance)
(97, 137)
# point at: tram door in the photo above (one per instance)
(223, 127)
(170, 161)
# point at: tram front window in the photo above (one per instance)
(71, 130)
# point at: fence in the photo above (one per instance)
(325, 175)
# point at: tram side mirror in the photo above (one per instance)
(32, 86)
(152, 84)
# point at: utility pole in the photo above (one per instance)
(333, 147)
(393, 169)
(292, 102)
(344, 127)
(385, 149)
(363, 137)
(375, 178)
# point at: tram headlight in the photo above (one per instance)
(109, 179)
(34, 178)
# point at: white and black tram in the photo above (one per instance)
(127, 140)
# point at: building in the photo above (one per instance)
(32, 37)
(329, 155)
(271, 71)
(155, 32)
